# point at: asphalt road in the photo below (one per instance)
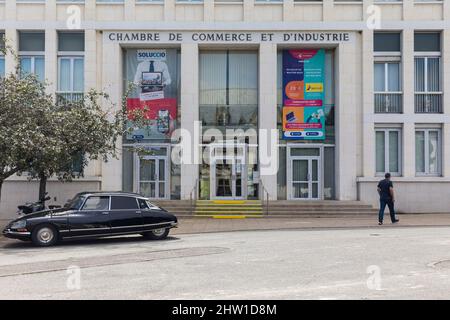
(378, 263)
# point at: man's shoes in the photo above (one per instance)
(395, 221)
(380, 223)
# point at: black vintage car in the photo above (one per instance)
(94, 214)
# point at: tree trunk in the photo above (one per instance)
(42, 186)
(1, 185)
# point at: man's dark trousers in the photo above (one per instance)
(390, 204)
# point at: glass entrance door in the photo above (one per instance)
(152, 177)
(305, 178)
(227, 178)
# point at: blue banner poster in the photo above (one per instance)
(303, 94)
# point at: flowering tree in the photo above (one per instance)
(42, 135)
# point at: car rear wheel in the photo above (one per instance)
(44, 235)
(157, 234)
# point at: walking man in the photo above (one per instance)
(386, 192)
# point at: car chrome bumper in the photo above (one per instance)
(16, 234)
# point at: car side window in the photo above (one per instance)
(123, 203)
(142, 204)
(96, 203)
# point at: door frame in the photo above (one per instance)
(320, 169)
(233, 159)
(136, 171)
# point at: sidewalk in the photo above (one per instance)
(203, 225)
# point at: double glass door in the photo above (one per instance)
(305, 178)
(227, 178)
(153, 177)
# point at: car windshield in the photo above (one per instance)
(75, 203)
(151, 205)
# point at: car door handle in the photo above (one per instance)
(105, 212)
(138, 211)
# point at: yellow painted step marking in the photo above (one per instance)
(228, 216)
(229, 201)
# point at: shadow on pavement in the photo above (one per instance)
(18, 244)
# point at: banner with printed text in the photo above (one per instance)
(154, 74)
(303, 94)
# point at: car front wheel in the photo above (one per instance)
(157, 234)
(44, 236)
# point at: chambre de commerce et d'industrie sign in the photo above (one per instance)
(230, 37)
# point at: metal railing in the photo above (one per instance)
(428, 102)
(65, 97)
(193, 195)
(264, 197)
(391, 102)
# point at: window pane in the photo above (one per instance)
(2, 67)
(379, 77)
(31, 41)
(25, 66)
(419, 74)
(78, 75)
(39, 68)
(123, 203)
(380, 151)
(433, 152)
(243, 78)
(64, 75)
(420, 151)
(213, 78)
(433, 75)
(71, 41)
(427, 41)
(393, 151)
(387, 42)
(394, 77)
(96, 203)
(142, 204)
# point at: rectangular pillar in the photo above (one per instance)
(328, 10)
(346, 122)
(208, 10)
(288, 10)
(189, 112)
(51, 60)
(112, 84)
(268, 111)
(368, 160)
(169, 10)
(446, 99)
(408, 103)
(12, 40)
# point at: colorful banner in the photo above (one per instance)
(154, 74)
(303, 94)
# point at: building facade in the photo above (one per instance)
(214, 75)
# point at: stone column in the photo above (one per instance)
(288, 10)
(208, 10)
(130, 10)
(189, 112)
(408, 103)
(446, 98)
(368, 104)
(112, 84)
(248, 10)
(328, 10)
(346, 120)
(268, 110)
(169, 10)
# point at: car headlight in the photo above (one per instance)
(19, 224)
